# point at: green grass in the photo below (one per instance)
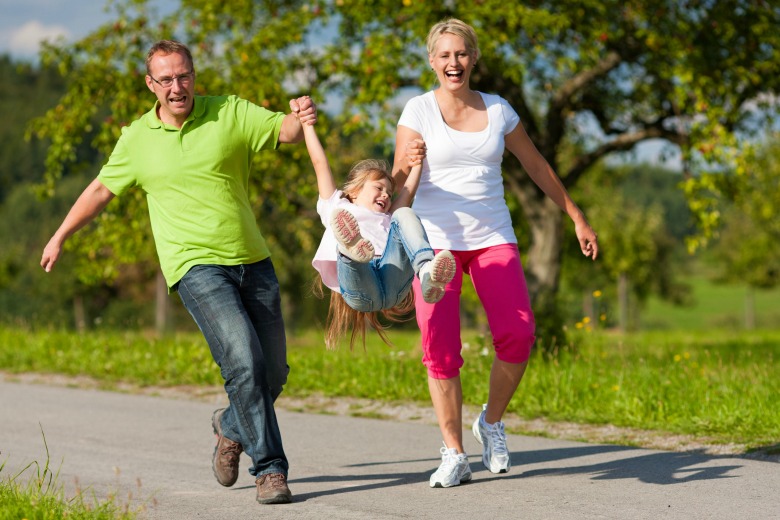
(718, 384)
(34, 493)
(712, 306)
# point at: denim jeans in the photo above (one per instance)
(238, 309)
(383, 282)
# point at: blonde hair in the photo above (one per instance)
(364, 171)
(341, 317)
(167, 47)
(456, 27)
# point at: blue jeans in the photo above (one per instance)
(383, 282)
(238, 309)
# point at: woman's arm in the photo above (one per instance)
(540, 171)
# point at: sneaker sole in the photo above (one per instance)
(458, 483)
(279, 499)
(347, 232)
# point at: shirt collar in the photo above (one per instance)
(198, 109)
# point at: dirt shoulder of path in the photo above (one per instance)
(418, 413)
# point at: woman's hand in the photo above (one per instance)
(587, 238)
(415, 152)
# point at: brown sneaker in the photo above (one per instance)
(272, 489)
(226, 453)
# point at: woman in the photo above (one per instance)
(460, 201)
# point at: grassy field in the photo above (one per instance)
(721, 385)
(713, 306)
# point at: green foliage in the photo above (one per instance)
(642, 220)
(588, 79)
(25, 92)
(748, 249)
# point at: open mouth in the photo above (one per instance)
(454, 74)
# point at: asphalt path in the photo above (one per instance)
(154, 454)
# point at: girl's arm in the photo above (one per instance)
(406, 194)
(409, 147)
(325, 183)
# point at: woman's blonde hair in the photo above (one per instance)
(456, 27)
(341, 317)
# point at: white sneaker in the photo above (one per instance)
(454, 469)
(495, 455)
(347, 232)
(436, 274)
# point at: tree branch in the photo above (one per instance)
(622, 142)
(561, 101)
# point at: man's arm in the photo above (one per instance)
(91, 202)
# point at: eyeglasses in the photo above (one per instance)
(166, 82)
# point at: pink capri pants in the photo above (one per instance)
(498, 278)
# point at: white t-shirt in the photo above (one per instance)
(374, 226)
(460, 200)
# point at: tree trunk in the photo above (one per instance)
(589, 307)
(162, 313)
(543, 263)
(79, 313)
(623, 309)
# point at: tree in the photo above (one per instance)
(635, 210)
(748, 245)
(589, 79)
(25, 92)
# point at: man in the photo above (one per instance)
(191, 155)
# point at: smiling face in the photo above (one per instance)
(452, 61)
(375, 194)
(177, 100)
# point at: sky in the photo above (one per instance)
(24, 23)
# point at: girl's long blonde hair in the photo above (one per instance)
(341, 317)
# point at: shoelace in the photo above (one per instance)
(497, 438)
(276, 480)
(231, 451)
(448, 461)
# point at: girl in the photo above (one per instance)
(374, 274)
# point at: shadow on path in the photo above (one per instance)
(660, 468)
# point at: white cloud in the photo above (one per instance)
(26, 40)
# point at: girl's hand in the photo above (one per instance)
(304, 109)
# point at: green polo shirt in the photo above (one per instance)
(196, 181)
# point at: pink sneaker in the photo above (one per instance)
(347, 231)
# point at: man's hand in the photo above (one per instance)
(305, 109)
